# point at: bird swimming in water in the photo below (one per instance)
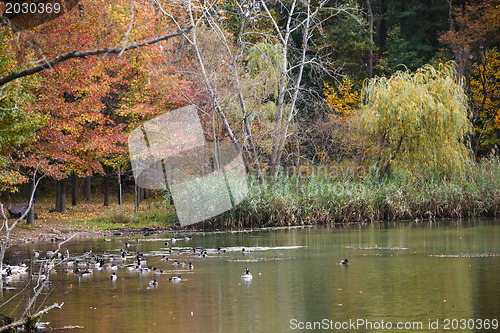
(246, 274)
(175, 279)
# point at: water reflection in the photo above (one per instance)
(404, 271)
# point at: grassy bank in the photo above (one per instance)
(314, 198)
(340, 196)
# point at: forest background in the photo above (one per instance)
(344, 110)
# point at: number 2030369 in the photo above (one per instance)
(47, 7)
(470, 324)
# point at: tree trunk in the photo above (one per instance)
(74, 189)
(136, 198)
(88, 182)
(106, 190)
(119, 189)
(450, 13)
(382, 27)
(61, 196)
(30, 218)
(370, 26)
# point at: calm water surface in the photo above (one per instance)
(398, 272)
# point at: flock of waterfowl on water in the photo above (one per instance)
(84, 265)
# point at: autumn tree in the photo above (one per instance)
(484, 92)
(87, 99)
(417, 121)
(476, 26)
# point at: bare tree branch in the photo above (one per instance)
(26, 320)
(74, 54)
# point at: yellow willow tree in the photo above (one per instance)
(418, 121)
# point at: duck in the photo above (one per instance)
(130, 267)
(177, 263)
(19, 269)
(165, 258)
(39, 275)
(81, 263)
(344, 262)
(175, 279)
(144, 269)
(110, 266)
(190, 266)
(153, 283)
(187, 238)
(157, 271)
(221, 250)
(113, 276)
(83, 272)
(246, 274)
(243, 251)
(49, 254)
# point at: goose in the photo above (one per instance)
(118, 257)
(175, 279)
(141, 261)
(246, 274)
(113, 276)
(153, 283)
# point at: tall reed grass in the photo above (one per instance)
(321, 198)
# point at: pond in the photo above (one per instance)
(426, 276)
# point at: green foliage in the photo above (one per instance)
(413, 27)
(418, 121)
(400, 53)
(264, 65)
(18, 121)
(345, 40)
